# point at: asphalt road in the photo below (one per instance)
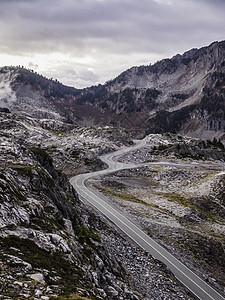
(195, 284)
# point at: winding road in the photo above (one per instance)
(195, 284)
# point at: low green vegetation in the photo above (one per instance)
(22, 169)
(67, 272)
(125, 196)
(39, 152)
(187, 202)
(83, 233)
(130, 197)
(176, 198)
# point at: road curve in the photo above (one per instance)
(195, 284)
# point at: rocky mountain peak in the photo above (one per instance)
(187, 90)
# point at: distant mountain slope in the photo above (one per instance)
(185, 93)
(25, 91)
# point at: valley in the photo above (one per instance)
(56, 245)
(170, 200)
(47, 233)
(133, 232)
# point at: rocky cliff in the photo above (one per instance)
(48, 247)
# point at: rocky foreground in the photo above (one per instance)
(51, 245)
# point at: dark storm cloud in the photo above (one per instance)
(110, 25)
(65, 24)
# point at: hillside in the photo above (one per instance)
(184, 94)
(52, 246)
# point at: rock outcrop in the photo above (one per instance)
(51, 245)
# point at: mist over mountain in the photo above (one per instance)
(183, 94)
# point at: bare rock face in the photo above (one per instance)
(47, 246)
(51, 245)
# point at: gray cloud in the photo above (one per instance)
(109, 29)
(32, 65)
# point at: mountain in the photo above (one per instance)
(184, 94)
(48, 246)
(29, 93)
(52, 246)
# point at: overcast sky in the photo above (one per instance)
(86, 42)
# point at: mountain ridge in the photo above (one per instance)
(51, 245)
(144, 99)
